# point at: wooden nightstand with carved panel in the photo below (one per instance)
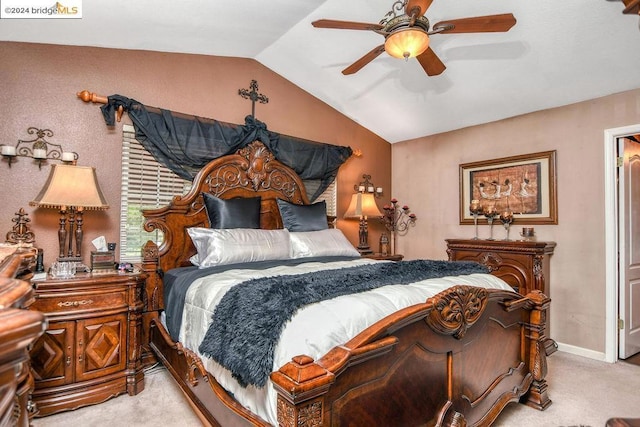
(91, 349)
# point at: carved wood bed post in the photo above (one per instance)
(151, 298)
(301, 385)
(535, 330)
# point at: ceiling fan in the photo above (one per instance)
(406, 31)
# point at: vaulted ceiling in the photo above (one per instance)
(559, 52)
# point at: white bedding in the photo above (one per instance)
(315, 329)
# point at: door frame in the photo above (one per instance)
(612, 284)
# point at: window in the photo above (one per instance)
(147, 184)
(329, 195)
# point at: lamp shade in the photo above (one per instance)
(70, 186)
(407, 42)
(362, 205)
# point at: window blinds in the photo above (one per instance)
(147, 184)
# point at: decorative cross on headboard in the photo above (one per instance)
(254, 96)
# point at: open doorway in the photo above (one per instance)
(622, 260)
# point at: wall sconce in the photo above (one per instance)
(362, 206)
(366, 186)
(38, 149)
(71, 189)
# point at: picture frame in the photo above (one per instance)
(525, 185)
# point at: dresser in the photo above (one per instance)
(522, 264)
(19, 328)
(91, 350)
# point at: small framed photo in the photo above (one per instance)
(524, 185)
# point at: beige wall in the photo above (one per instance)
(40, 83)
(576, 132)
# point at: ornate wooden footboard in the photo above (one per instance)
(456, 360)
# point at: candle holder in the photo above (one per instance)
(475, 210)
(507, 218)
(528, 234)
(490, 213)
(38, 149)
(397, 220)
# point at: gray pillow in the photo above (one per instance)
(232, 213)
(303, 217)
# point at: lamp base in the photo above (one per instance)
(363, 238)
(80, 267)
(365, 250)
(69, 259)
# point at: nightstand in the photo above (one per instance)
(396, 257)
(91, 349)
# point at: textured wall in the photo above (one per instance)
(576, 132)
(40, 83)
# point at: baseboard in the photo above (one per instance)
(580, 351)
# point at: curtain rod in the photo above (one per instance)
(87, 96)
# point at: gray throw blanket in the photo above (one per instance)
(250, 317)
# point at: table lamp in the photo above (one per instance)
(71, 189)
(363, 205)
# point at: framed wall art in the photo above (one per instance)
(524, 185)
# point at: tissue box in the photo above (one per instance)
(103, 261)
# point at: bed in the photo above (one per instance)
(456, 357)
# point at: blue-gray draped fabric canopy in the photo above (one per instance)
(185, 143)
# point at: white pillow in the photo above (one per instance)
(330, 242)
(235, 245)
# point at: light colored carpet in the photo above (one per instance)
(584, 392)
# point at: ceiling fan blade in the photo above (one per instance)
(632, 7)
(356, 66)
(430, 62)
(345, 25)
(478, 24)
(417, 7)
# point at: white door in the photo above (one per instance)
(629, 208)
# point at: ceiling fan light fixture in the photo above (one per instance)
(406, 42)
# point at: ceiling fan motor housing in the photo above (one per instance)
(407, 36)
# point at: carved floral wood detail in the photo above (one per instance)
(309, 415)
(257, 168)
(491, 260)
(454, 312)
(286, 413)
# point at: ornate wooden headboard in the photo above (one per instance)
(251, 171)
